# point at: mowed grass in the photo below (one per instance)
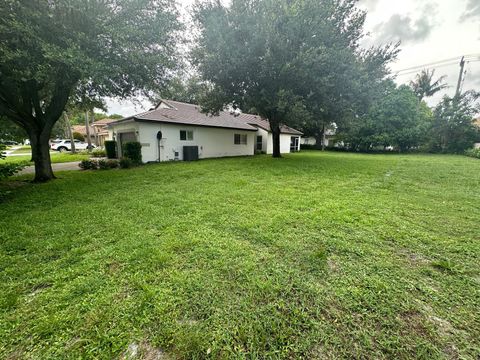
(315, 256)
(56, 157)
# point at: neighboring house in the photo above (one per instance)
(98, 131)
(183, 126)
(83, 131)
(329, 138)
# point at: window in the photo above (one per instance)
(186, 135)
(240, 139)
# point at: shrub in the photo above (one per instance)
(112, 164)
(102, 164)
(111, 149)
(77, 136)
(88, 164)
(10, 169)
(125, 163)
(107, 164)
(99, 153)
(473, 153)
(133, 151)
(308, 147)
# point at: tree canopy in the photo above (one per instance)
(53, 52)
(453, 129)
(289, 61)
(396, 119)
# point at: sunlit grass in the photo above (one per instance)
(316, 255)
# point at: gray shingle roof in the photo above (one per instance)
(189, 114)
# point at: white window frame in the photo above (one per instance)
(243, 139)
(188, 135)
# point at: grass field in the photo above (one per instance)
(56, 157)
(316, 255)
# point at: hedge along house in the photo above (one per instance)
(180, 131)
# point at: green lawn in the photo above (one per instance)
(56, 157)
(25, 149)
(316, 255)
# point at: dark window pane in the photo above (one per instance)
(183, 135)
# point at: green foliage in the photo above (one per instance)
(126, 163)
(111, 149)
(191, 90)
(9, 169)
(133, 151)
(99, 153)
(473, 153)
(396, 119)
(453, 129)
(11, 131)
(424, 86)
(104, 164)
(88, 164)
(180, 259)
(78, 136)
(266, 57)
(54, 53)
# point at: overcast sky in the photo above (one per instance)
(429, 30)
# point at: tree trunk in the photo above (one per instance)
(318, 140)
(70, 134)
(324, 138)
(87, 130)
(41, 155)
(275, 127)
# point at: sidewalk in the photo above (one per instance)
(68, 166)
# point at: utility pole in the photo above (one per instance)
(460, 77)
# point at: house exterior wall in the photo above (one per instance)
(284, 143)
(211, 142)
(264, 134)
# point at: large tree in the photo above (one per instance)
(397, 119)
(53, 50)
(281, 58)
(453, 129)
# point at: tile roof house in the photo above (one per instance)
(183, 127)
(98, 131)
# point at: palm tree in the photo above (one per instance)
(424, 86)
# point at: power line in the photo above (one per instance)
(474, 57)
(435, 67)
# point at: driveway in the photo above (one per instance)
(68, 166)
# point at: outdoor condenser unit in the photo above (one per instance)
(190, 153)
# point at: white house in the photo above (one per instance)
(175, 131)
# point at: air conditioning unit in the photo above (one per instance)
(190, 153)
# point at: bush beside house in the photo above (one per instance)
(133, 151)
(111, 149)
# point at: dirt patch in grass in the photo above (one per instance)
(143, 351)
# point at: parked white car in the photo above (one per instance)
(66, 145)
